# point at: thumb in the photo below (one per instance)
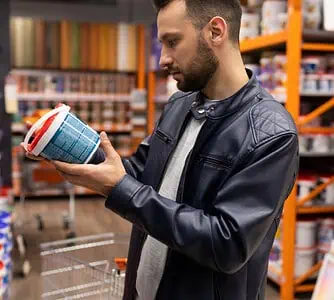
(106, 146)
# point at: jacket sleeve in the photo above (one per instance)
(242, 213)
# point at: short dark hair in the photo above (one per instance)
(202, 11)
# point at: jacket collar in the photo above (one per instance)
(227, 106)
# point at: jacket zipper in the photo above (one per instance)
(216, 288)
(179, 195)
(161, 134)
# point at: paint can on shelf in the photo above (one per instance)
(305, 185)
(325, 234)
(304, 260)
(306, 233)
(327, 195)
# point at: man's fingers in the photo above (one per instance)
(70, 169)
(70, 178)
(33, 157)
(107, 147)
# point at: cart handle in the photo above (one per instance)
(121, 263)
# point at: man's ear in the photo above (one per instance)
(218, 30)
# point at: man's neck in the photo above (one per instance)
(229, 78)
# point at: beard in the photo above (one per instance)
(201, 68)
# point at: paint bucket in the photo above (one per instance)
(327, 196)
(60, 135)
(306, 234)
(305, 185)
(326, 234)
(304, 260)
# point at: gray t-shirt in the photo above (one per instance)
(153, 256)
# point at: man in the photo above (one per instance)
(205, 191)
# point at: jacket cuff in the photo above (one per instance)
(121, 195)
(98, 157)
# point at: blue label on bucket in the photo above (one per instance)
(73, 142)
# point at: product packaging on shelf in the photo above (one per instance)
(6, 243)
(273, 16)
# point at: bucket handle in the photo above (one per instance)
(41, 121)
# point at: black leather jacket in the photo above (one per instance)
(221, 228)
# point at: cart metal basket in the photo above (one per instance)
(91, 267)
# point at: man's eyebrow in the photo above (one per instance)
(167, 35)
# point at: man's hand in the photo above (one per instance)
(101, 178)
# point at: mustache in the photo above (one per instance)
(170, 71)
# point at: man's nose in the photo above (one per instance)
(165, 60)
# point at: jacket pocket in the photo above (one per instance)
(163, 136)
(214, 162)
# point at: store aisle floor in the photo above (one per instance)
(91, 217)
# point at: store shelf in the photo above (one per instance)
(116, 128)
(44, 71)
(73, 97)
(265, 41)
(316, 94)
(317, 154)
(318, 37)
(305, 288)
(316, 130)
(325, 209)
(318, 47)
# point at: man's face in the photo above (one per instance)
(185, 53)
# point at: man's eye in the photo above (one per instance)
(172, 43)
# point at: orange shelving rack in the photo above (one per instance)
(295, 41)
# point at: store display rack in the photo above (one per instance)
(135, 129)
(297, 42)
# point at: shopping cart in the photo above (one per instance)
(91, 267)
(40, 178)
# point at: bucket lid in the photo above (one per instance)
(38, 130)
(305, 251)
(307, 224)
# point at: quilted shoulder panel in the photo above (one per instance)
(269, 118)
